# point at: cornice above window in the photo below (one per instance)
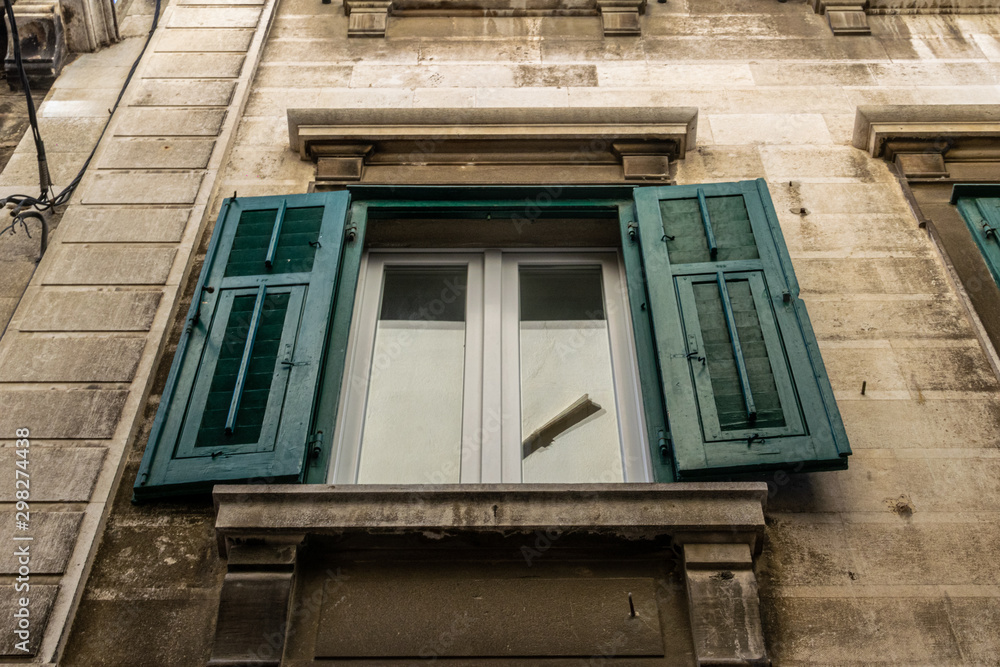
(850, 17)
(919, 139)
(369, 18)
(492, 146)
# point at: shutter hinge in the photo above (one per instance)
(663, 442)
(197, 311)
(632, 229)
(786, 296)
(351, 231)
(315, 445)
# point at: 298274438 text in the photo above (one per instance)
(22, 540)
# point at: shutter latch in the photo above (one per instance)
(315, 445)
(756, 437)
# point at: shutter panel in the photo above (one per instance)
(239, 399)
(980, 208)
(743, 382)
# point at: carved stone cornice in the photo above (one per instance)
(850, 17)
(955, 131)
(511, 146)
(369, 18)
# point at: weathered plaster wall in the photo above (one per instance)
(889, 561)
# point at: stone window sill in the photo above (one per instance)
(684, 512)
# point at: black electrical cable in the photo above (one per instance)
(44, 202)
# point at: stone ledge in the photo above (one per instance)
(686, 512)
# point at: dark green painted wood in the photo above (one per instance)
(706, 221)
(699, 345)
(736, 347)
(186, 452)
(716, 378)
(283, 236)
(328, 400)
(272, 246)
(982, 217)
(249, 340)
(657, 430)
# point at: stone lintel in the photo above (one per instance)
(730, 512)
(368, 18)
(344, 142)
(724, 605)
(951, 127)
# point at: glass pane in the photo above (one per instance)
(722, 369)
(569, 419)
(413, 418)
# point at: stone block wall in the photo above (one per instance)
(887, 561)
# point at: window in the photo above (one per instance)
(498, 366)
(700, 359)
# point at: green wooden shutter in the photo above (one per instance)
(743, 382)
(980, 208)
(239, 398)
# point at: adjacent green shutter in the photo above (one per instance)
(239, 399)
(743, 382)
(980, 207)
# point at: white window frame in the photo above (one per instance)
(491, 443)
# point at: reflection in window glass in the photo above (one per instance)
(413, 417)
(569, 420)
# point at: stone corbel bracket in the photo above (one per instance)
(845, 17)
(923, 140)
(492, 146)
(369, 18)
(718, 528)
